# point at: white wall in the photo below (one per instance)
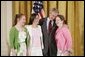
(6, 24)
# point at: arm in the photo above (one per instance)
(27, 40)
(41, 21)
(41, 38)
(41, 18)
(27, 43)
(67, 35)
(11, 38)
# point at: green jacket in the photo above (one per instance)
(14, 38)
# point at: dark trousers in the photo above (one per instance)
(47, 53)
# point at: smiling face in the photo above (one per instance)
(52, 15)
(59, 22)
(22, 20)
(36, 20)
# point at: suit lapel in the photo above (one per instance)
(45, 25)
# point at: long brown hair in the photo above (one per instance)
(33, 16)
(18, 16)
(62, 18)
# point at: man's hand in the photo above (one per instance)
(39, 16)
(43, 13)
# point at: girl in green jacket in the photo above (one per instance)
(19, 37)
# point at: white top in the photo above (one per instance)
(35, 36)
(48, 20)
(22, 36)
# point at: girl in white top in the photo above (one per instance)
(36, 41)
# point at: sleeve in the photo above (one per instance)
(41, 21)
(27, 41)
(41, 38)
(11, 38)
(67, 36)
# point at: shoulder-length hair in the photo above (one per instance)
(33, 16)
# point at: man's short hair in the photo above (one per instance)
(54, 10)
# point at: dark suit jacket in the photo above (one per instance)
(48, 38)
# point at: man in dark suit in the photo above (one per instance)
(48, 29)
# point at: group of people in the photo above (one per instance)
(47, 36)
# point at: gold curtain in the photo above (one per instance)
(73, 12)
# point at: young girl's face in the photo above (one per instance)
(22, 20)
(36, 20)
(58, 21)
